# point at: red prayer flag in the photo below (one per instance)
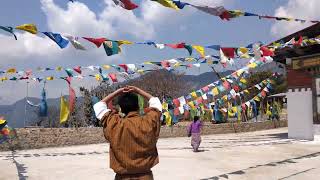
(113, 77)
(28, 72)
(226, 84)
(127, 4)
(266, 51)
(97, 41)
(236, 88)
(176, 102)
(72, 99)
(299, 42)
(226, 15)
(165, 64)
(205, 89)
(229, 52)
(77, 69)
(176, 46)
(124, 66)
(176, 112)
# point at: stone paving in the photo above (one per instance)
(255, 155)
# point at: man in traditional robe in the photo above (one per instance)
(132, 137)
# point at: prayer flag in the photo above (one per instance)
(113, 77)
(75, 43)
(111, 48)
(180, 4)
(69, 72)
(50, 78)
(97, 41)
(126, 4)
(167, 3)
(43, 110)
(9, 30)
(215, 11)
(120, 42)
(77, 69)
(64, 110)
(228, 52)
(72, 99)
(58, 39)
(11, 71)
(215, 91)
(200, 50)
(31, 28)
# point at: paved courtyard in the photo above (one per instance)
(257, 155)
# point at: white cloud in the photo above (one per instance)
(301, 9)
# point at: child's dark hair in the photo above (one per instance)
(128, 102)
(195, 118)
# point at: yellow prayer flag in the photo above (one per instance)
(120, 42)
(3, 78)
(2, 121)
(256, 98)
(168, 118)
(64, 110)
(106, 67)
(148, 62)
(239, 72)
(59, 68)
(225, 97)
(237, 13)
(243, 80)
(50, 78)
(165, 106)
(199, 49)
(31, 28)
(140, 71)
(11, 71)
(97, 76)
(252, 65)
(177, 64)
(246, 91)
(189, 59)
(194, 95)
(215, 91)
(191, 104)
(167, 3)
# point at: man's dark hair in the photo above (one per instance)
(128, 102)
(196, 118)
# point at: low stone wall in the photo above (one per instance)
(33, 138)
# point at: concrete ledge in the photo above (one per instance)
(34, 138)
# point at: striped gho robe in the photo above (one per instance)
(132, 138)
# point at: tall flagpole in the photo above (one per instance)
(25, 106)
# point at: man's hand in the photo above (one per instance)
(139, 91)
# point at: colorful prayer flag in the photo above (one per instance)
(64, 110)
(126, 4)
(9, 30)
(75, 43)
(58, 39)
(167, 3)
(97, 41)
(111, 47)
(31, 28)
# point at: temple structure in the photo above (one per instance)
(303, 76)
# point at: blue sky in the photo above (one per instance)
(150, 22)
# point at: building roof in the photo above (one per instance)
(310, 32)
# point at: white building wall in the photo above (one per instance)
(300, 118)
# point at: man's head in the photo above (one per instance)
(196, 118)
(128, 102)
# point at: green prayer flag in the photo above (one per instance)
(111, 47)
